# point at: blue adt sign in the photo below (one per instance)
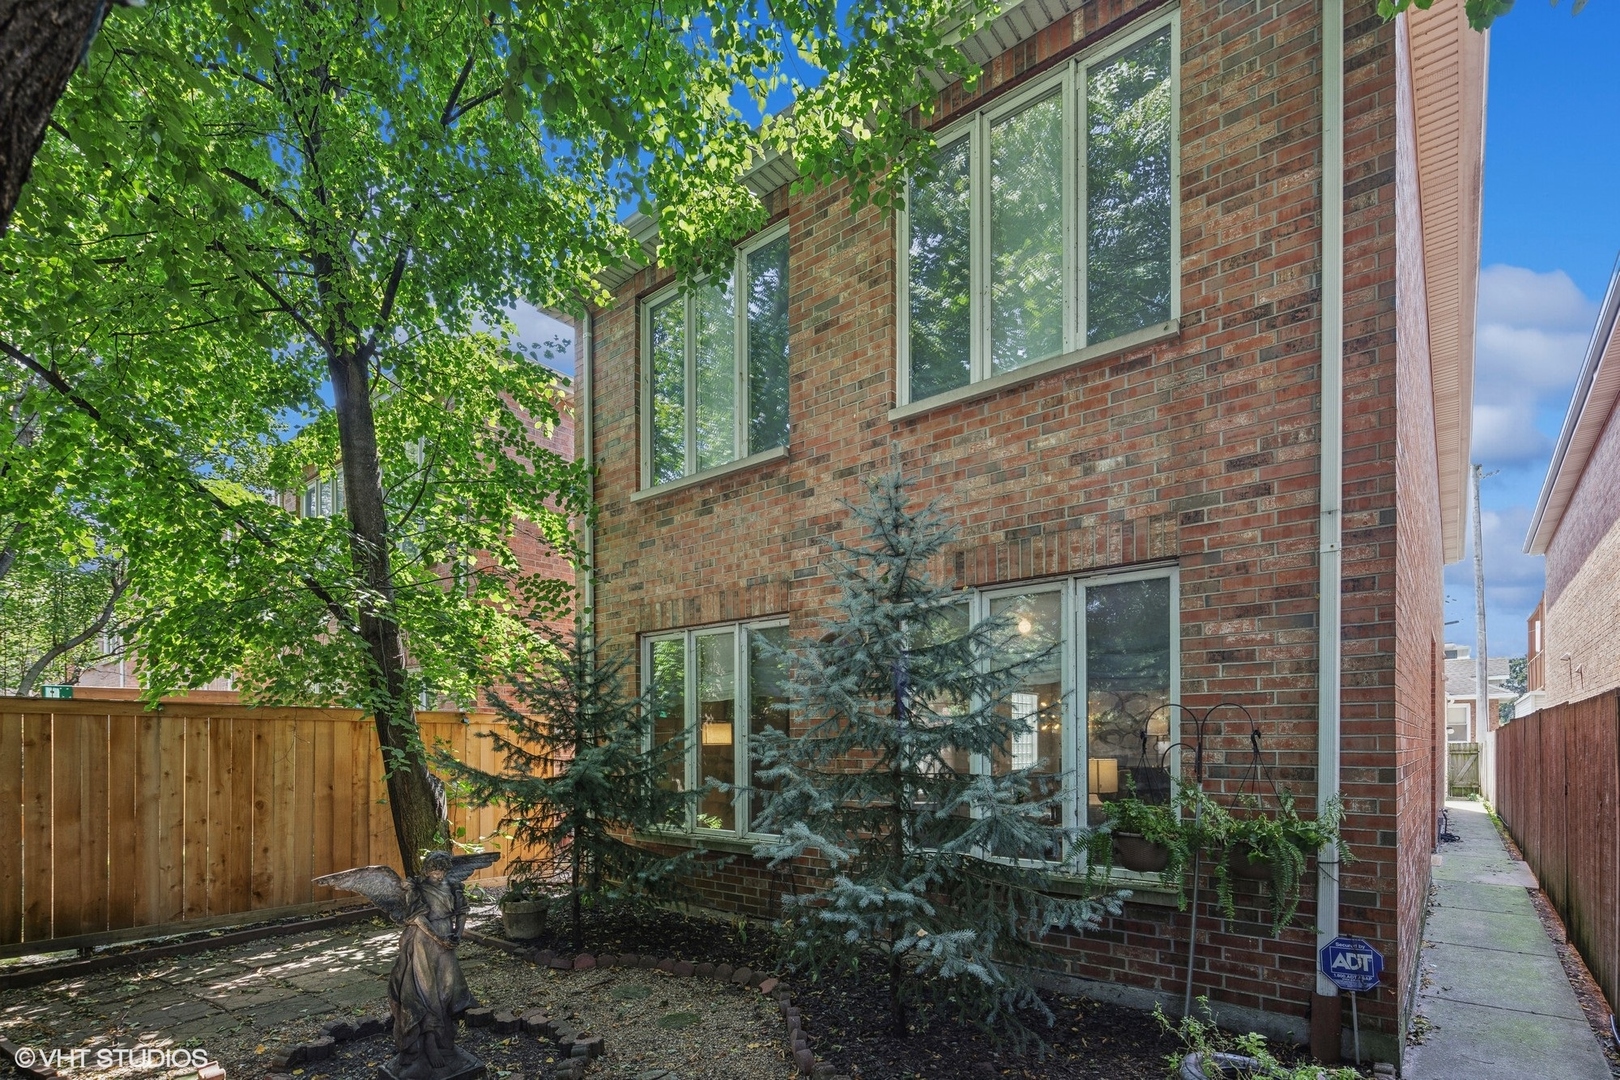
(1352, 964)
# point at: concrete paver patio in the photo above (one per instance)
(1494, 990)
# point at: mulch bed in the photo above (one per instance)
(846, 1017)
(519, 1055)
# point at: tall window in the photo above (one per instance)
(716, 687)
(1048, 224)
(1095, 725)
(716, 366)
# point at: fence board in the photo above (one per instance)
(122, 867)
(1559, 795)
(194, 799)
(37, 826)
(171, 843)
(11, 828)
(147, 813)
(67, 818)
(93, 779)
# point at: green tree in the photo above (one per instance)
(57, 617)
(940, 872)
(578, 779)
(240, 207)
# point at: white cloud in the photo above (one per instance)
(1529, 342)
(1506, 434)
(1521, 297)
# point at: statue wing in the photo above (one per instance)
(463, 866)
(379, 884)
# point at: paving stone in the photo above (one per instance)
(167, 1016)
(742, 976)
(505, 1022)
(805, 1060)
(705, 969)
(293, 1008)
(478, 1017)
(584, 962)
(250, 996)
(723, 972)
(767, 987)
(667, 965)
(684, 968)
(319, 1049)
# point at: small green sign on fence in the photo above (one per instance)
(56, 690)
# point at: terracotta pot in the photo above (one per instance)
(1135, 852)
(1244, 863)
(524, 919)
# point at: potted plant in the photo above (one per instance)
(1262, 846)
(1144, 837)
(524, 906)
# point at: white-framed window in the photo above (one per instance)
(716, 687)
(1049, 230)
(715, 366)
(1095, 706)
(323, 497)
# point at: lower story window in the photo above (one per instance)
(712, 689)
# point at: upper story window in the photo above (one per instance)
(323, 497)
(715, 366)
(1049, 227)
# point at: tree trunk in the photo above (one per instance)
(41, 43)
(418, 824)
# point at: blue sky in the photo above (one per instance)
(1551, 234)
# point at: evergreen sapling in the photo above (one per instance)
(578, 779)
(938, 870)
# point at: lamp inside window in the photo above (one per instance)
(716, 733)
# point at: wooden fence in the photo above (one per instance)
(1462, 769)
(1558, 792)
(125, 821)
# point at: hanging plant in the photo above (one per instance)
(1274, 847)
(1149, 837)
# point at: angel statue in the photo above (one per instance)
(426, 991)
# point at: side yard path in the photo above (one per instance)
(1495, 1003)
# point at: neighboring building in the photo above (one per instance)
(1462, 694)
(1119, 381)
(1575, 630)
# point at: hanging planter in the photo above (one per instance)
(1274, 848)
(1249, 863)
(1136, 852)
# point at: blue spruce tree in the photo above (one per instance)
(940, 855)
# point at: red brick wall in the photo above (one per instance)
(1201, 451)
(1593, 510)
(1419, 554)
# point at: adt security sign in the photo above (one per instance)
(1352, 964)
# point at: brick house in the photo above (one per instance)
(1170, 285)
(1574, 634)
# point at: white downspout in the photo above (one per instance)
(1330, 555)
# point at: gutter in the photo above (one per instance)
(1330, 557)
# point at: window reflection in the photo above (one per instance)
(1128, 727)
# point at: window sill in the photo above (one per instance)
(996, 384)
(775, 453)
(1144, 888)
(730, 843)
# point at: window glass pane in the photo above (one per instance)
(940, 326)
(669, 707)
(325, 487)
(1026, 236)
(933, 660)
(339, 503)
(1036, 622)
(1128, 662)
(1129, 263)
(668, 348)
(768, 346)
(311, 499)
(767, 695)
(717, 714)
(716, 360)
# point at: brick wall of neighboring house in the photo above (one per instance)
(1583, 564)
(1418, 792)
(1201, 451)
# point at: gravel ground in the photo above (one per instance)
(239, 1004)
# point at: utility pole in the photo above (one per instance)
(1481, 684)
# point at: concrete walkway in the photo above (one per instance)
(1493, 988)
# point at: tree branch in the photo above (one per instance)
(488, 95)
(160, 461)
(449, 115)
(266, 194)
(62, 648)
